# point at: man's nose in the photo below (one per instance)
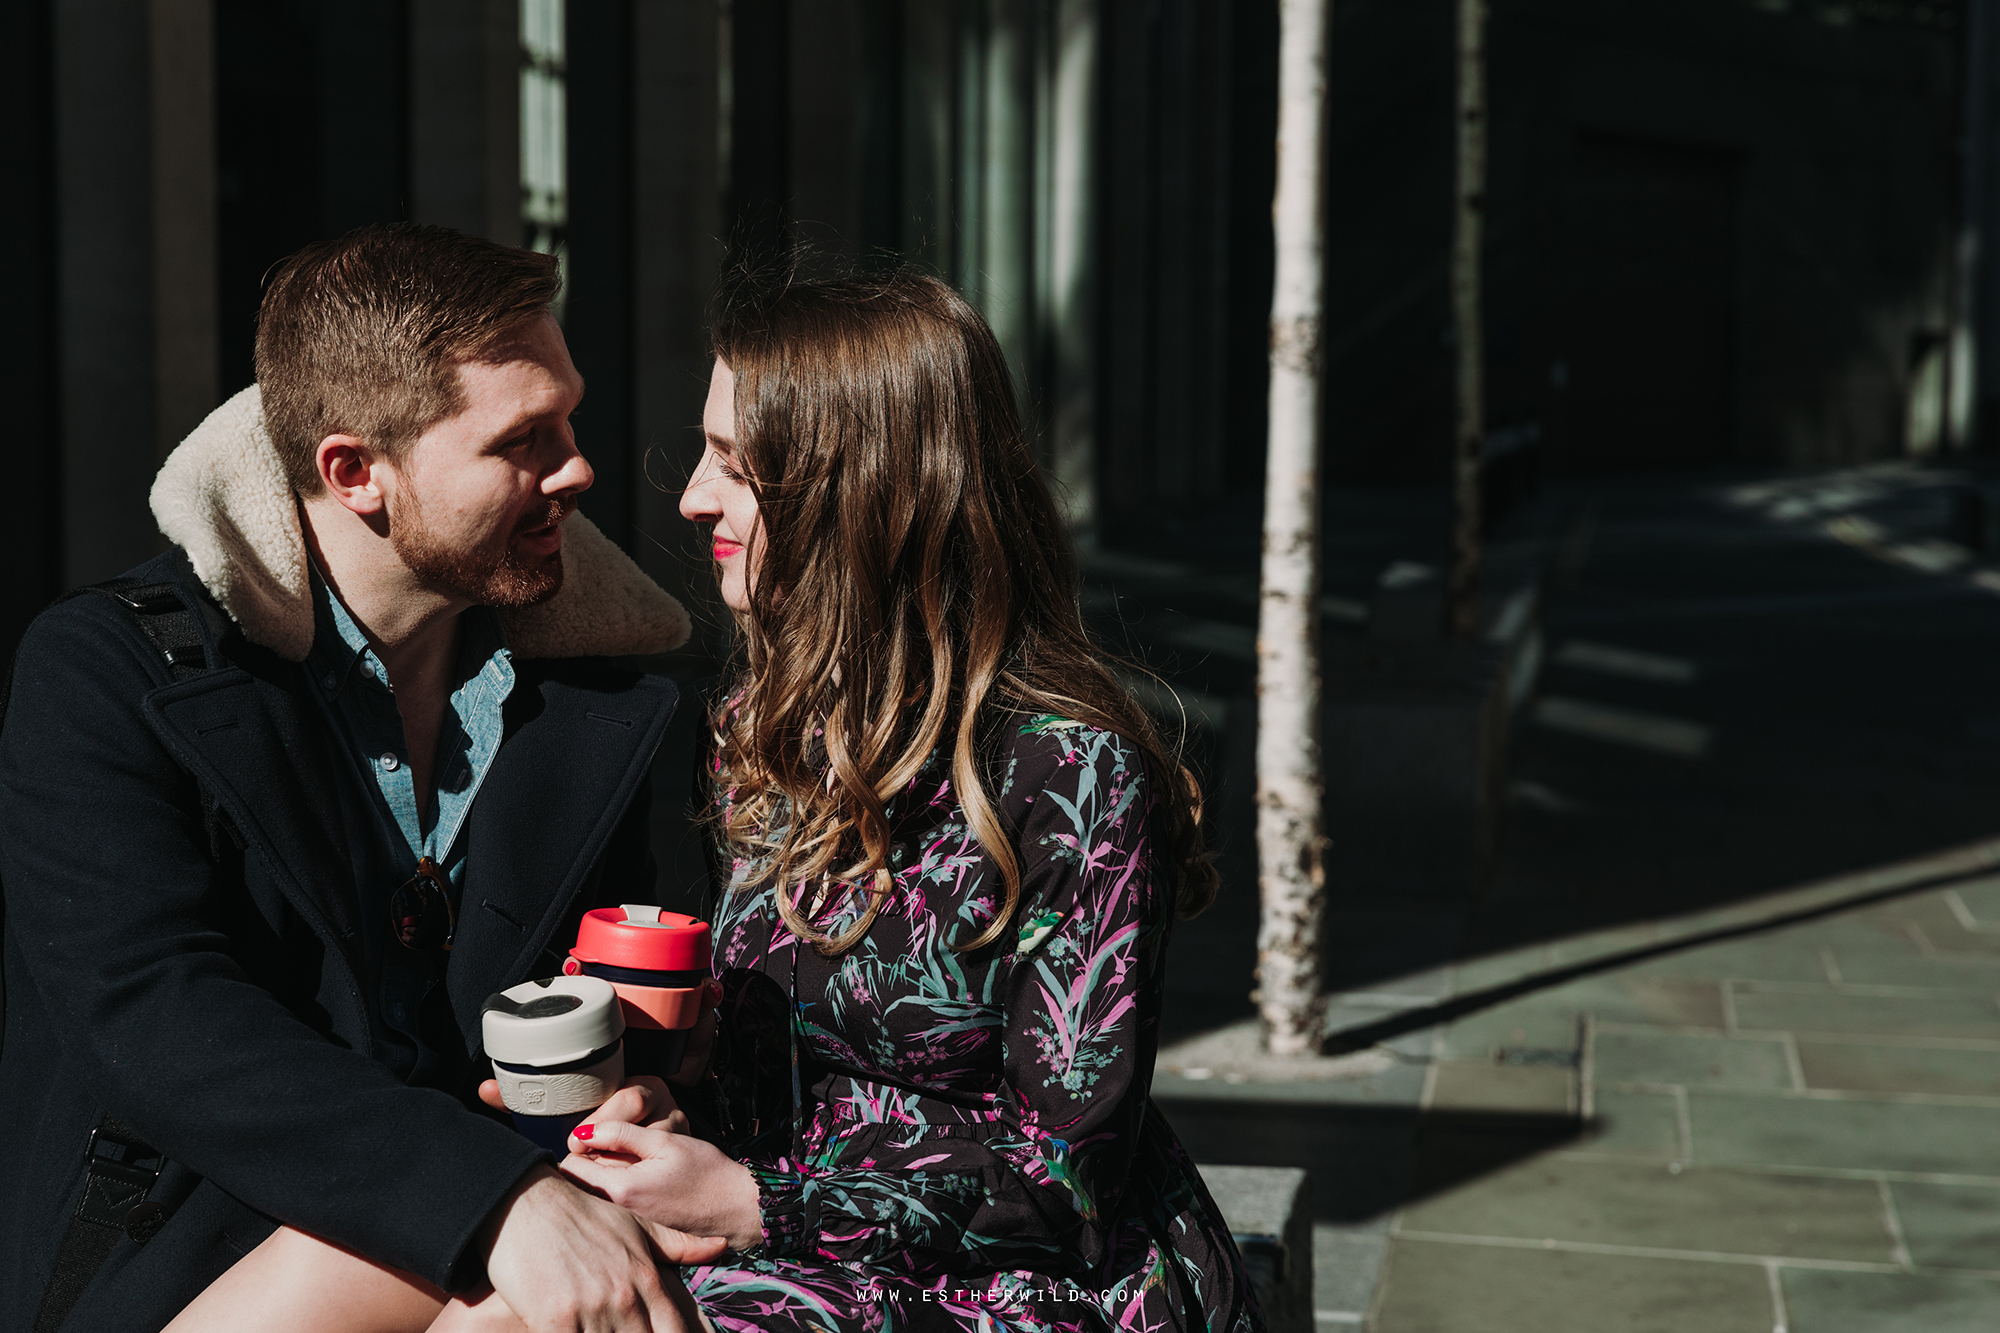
(572, 476)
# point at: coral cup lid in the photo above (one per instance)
(642, 937)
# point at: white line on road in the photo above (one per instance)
(1647, 1251)
(1623, 726)
(1627, 662)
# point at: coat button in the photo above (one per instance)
(390, 763)
(144, 1221)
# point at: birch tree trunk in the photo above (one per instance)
(1469, 442)
(1289, 781)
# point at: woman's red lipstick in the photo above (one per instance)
(725, 549)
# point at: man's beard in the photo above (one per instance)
(472, 575)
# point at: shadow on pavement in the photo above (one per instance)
(1832, 639)
(1365, 1161)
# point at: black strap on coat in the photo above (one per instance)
(119, 1171)
(120, 1168)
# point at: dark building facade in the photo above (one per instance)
(1719, 231)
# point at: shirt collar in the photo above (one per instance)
(340, 648)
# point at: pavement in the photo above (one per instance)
(1718, 1045)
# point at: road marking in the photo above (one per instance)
(1780, 1318)
(1971, 923)
(1627, 662)
(1623, 726)
(1899, 1249)
(1648, 1251)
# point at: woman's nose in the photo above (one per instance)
(698, 503)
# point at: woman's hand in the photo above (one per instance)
(669, 1181)
(639, 1101)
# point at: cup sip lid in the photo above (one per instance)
(644, 938)
(552, 1021)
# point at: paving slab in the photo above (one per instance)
(1346, 1267)
(1691, 1059)
(1980, 897)
(1823, 1302)
(1436, 1287)
(1759, 958)
(1972, 972)
(1900, 1067)
(1855, 1134)
(1942, 930)
(1488, 1085)
(1672, 1002)
(1634, 1124)
(1830, 1009)
(1533, 1023)
(1950, 1226)
(1498, 969)
(1655, 1206)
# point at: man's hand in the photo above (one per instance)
(565, 1262)
(668, 1180)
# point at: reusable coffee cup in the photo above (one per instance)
(658, 962)
(557, 1052)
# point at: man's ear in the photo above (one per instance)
(348, 469)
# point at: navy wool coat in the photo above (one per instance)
(195, 976)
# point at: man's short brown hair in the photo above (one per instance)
(362, 336)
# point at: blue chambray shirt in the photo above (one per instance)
(415, 1033)
(352, 678)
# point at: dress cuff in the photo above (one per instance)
(781, 1200)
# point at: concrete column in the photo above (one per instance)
(677, 195)
(30, 542)
(184, 269)
(1976, 341)
(1068, 266)
(598, 309)
(135, 206)
(827, 63)
(465, 116)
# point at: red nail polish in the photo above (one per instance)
(584, 1132)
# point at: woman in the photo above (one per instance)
(955, 847)
(955, 850)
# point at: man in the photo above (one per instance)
(280, 814)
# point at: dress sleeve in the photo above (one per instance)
(1080, 986)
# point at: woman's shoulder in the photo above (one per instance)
(1046, 752)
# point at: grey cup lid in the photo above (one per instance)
(551, 1021)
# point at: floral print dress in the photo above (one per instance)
(964, 1140)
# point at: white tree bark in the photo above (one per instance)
(1289, 781)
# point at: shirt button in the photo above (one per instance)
(390, 763)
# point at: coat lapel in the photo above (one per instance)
(580, 741)
(245, 738)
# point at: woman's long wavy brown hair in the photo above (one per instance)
(916, 588)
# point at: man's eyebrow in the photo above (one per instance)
(522, 420)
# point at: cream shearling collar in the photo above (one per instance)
(222, 497)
